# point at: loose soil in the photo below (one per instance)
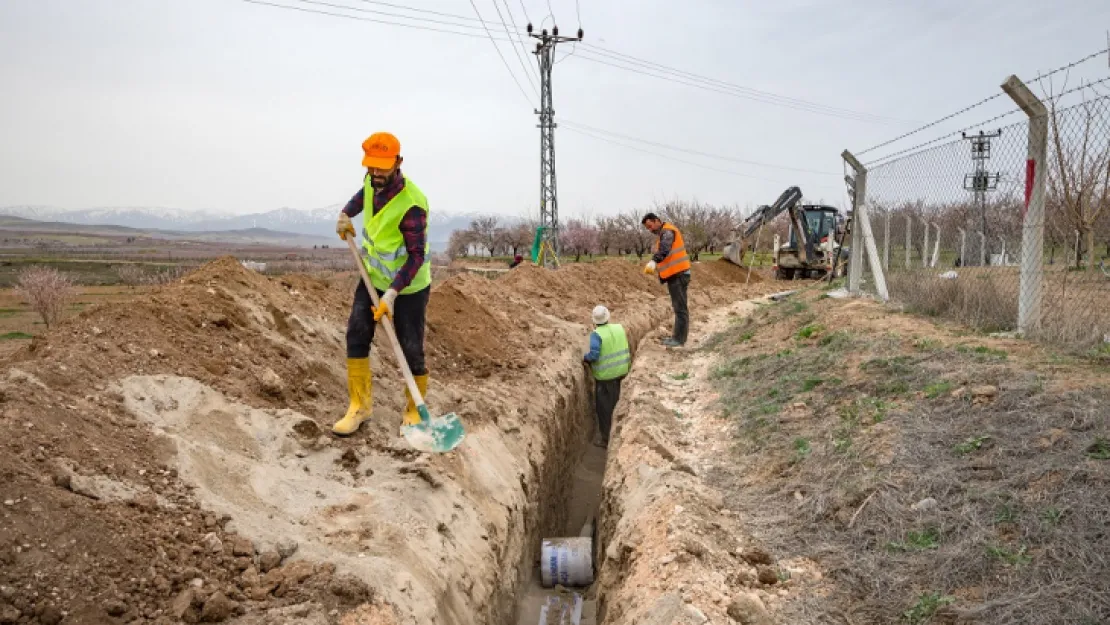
(167, 456)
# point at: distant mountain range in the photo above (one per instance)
(317, 223)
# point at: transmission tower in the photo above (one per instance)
(980, 182)
(549, 199)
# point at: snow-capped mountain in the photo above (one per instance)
(318, 222)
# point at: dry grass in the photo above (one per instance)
(1074, 309)
(1017, 533)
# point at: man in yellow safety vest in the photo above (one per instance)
(396, 254)
(609, 360)
(670, 260)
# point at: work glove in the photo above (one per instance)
(649, 268)
(344, 226)
(385, 305)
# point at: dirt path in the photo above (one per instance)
(673, 553)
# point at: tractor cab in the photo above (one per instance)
(821, 222)
(823, 225)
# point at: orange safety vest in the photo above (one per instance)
(677, 261)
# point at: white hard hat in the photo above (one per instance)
(600, 315)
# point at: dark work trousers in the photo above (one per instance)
(408, 320)
(676, 286)
(606, 395)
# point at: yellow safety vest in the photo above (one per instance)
(383, 247)
(615, 359)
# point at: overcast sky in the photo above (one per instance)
(234, 107)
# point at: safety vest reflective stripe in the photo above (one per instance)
(378, 265)
(673, 261)
(400, 252)
(614, 359)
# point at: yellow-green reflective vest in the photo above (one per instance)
(615, 360)
(383, 247)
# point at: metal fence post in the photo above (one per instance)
(1030, 290)
(866, 235)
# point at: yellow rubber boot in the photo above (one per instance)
(412, 417)
(360, 389)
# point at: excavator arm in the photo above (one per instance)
(734, 249)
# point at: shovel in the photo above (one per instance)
(440, 434)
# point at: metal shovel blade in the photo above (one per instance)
(438, 435)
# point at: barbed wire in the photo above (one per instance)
(890, 158)
(966, 109)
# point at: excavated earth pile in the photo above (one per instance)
(168, 460)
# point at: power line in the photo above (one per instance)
(573, 124)
(670, 158)
(718, 85)
(363, 19)
(755, 93)
(385, 13)
(516, 52)
(1062, 68)
(809, 108)
(501, 56)
(519, 37)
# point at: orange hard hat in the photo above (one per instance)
(380, 151)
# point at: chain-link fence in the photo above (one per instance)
(949, 221)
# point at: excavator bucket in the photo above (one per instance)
(734, 252)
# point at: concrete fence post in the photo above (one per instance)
(936, 246)
(909, 238)
(886, 241)
(924, 243)
(1030, 291)
(867, 237)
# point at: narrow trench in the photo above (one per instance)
(583, 500)
(578, 501)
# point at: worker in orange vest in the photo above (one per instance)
(673, 265)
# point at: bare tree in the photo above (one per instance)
(636, 237)
(458, 244)
(609, 235)
(47, 290)
(1079, 172)
(484, 230)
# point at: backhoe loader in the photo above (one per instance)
(815, 236)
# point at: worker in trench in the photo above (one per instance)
(669, 259)
(395, 251)
(609, 360)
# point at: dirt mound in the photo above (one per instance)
(466, 337)
(570, 292)
(722, 273)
